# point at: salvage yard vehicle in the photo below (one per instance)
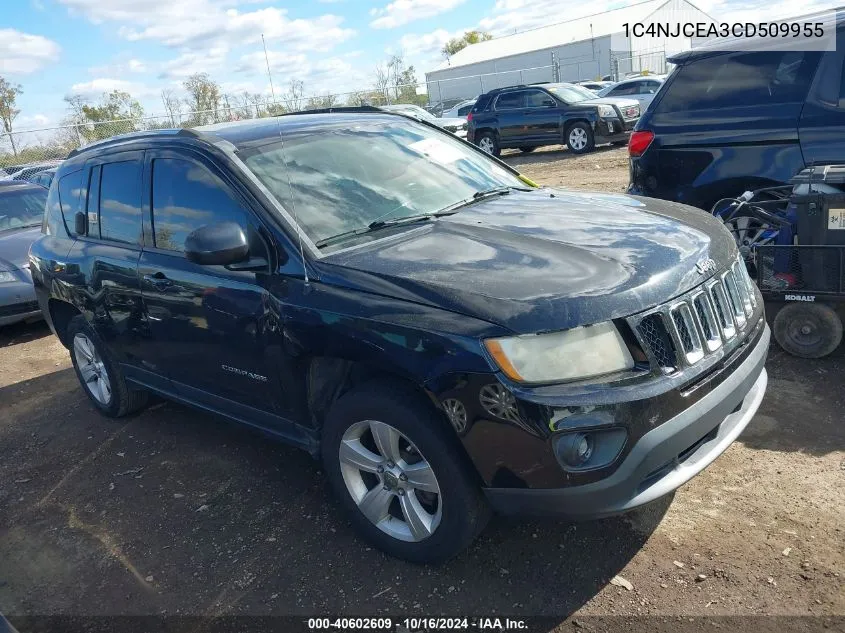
(455, 125)
(448, 339)
(729, 121)
(21, 214)
(528, 117)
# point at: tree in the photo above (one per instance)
(116, 113)
(172, 105)
(294, 96)
(397, 82)
(459, 43)
(203, 98)
(8, 112)
(320, 103)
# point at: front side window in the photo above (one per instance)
(343, 177)
(120, 202)
(20, 208)
(538, 99)
(187, 196)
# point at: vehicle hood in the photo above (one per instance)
(543, 260)
(450, 123)
(14, 247)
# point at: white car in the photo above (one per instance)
(456, 126)
(642, 88)
(459, 111)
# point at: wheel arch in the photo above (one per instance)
(61, 313)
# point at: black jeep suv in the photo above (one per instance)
(386, 296)
(528, 117)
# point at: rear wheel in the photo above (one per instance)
(808, 330)
(579, 138)
(487, 143)
(99, 374)
(400, 476)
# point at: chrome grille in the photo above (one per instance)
(684, 332)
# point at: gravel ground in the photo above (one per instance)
(173, 511)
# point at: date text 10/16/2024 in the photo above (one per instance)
(417, 623)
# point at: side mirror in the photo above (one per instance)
(79, 227)
(217, 245)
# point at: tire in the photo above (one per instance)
(119, 399)
(527, 150)
(487, 143)
(451, 520)
(579, 138)
(808, 330)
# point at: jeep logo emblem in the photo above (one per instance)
(706, 266)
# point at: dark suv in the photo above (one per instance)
(378, 292)
(527, 117)
(726, 122)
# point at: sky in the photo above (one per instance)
(55, 48)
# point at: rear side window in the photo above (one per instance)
(464, 111)
(741, 79)
(70, 189)
(625, 89)
(120, 202)
(186, 197)
(509, 100)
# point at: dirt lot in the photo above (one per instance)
(175, 512)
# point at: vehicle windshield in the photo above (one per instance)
(412, 110)
(571, 93)
(345, 176)
(22, 208)
(603, 92)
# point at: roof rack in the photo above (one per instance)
(137, 135)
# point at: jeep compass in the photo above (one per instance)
(447, 337)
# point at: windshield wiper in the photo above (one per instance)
(377, 225)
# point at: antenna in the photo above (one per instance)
(269, 74)
(292, 199)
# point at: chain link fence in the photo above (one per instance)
(27, 147)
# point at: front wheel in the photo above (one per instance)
(400, 476)
(808, 330)
(579, 138)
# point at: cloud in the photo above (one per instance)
(200, 24)
(401, 12)
(100, 85)
(23, 53)
(509, 16)
(190, 62)
(331, 74)
(427, 44)
(119, 67)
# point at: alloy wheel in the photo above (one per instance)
(577, 139)
(486, 145)
(391, 482)
(92, 369)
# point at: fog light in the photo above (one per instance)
(575, 449)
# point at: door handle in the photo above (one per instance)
(158, 281)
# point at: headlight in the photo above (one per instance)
(606, 110)
(581, 352)
(6, 277)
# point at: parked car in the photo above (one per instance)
(445, 337)
(594, 86)
(43, 178)
(456, 126)
(26, 172)
(642, 89)
(459, 111)
(21, 213)
(726, 122)
(528, 117)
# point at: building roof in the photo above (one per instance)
(577, 30)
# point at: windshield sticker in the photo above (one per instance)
(437, 150)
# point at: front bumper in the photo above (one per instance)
(613, 129)
(17, 300)
(662, 459)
